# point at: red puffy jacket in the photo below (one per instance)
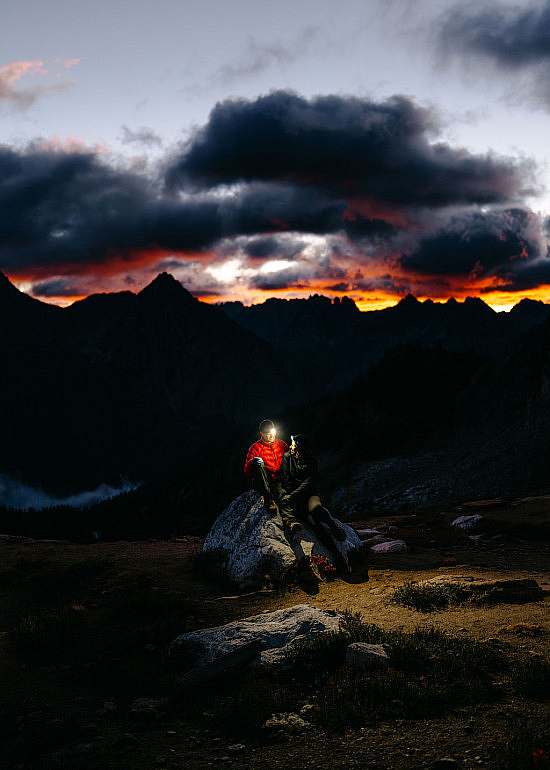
(271, 454)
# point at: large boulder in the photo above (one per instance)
(251, 543)
(390, 546)
(270, 635)
(468, 523)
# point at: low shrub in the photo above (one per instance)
(427, 597)
(527, 748)
(531, 678)
(48, 635)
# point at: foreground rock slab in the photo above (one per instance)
(493, 591)
(251, 544)
(269, 634)
(364, 655)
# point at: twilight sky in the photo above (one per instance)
(252, 149)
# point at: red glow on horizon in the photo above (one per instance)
(109, 276)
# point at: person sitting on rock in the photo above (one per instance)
(299, 479)
(263, 462)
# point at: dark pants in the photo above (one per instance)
(294, 511)
(261, 481)
(298, 510)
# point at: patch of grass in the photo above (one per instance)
(129, 618)
(352, 698)
(530, 630)
(528, 748)
(240, 704)
(41, 581)
(426, 597)
(48, 635)
(420, 650)
(429, 673)
(531, 678)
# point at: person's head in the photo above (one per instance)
(267, 431)
(299, 445)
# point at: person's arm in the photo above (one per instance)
(250, 455)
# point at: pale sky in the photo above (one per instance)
(131, 79)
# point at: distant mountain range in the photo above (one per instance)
(138, 386)
(348, 341)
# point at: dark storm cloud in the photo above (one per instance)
(283, 279)
(348, 147)
(55, 287)
(342, 286)
(71, 207)
(387, 283)
(256, 208)
(57, 207)
(270, 246)
(527, 277)
(500, 243)
(515, 36)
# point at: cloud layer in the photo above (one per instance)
(348, 147)
(513, 38)
(276, 194)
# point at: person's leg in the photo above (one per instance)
(260, 481)
(291, 522)
(321, 515)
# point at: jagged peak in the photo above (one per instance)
(477, 302)
(165, 285)
(5, 283)
(528, 302)
(409, 300)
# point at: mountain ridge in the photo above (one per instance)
(164, 282)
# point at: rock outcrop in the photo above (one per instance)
(390, 546)
(363, 655)
(251, 544)
(468, 523)
(515, 590)
(272, 634)
(382, 539)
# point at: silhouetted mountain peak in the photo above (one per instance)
(527, 304)
(478, 304)
(409, 301)
(530, 311)
(6, 285)
(167, 288)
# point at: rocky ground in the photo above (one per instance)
(88, 681)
